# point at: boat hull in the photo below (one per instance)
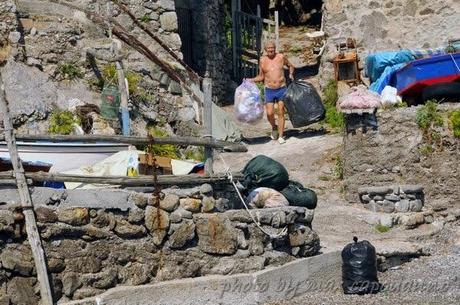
(64, 156)
(415, 76)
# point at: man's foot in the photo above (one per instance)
(281, 140)
(275, 134)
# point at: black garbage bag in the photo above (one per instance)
(359, 268)
(298, 195)
(303, 104)
(262, 171)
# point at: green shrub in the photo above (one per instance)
(144, 18)
(196, 154)
(69, 70)
(338, 168)
(62, 122)
(109, 73)
(428, 116)
(454, 122)
(295, 50)
(162, 150)
(333, 118)
(381, 228)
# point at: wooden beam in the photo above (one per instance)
(126, 10)
(31, 226)
(216, 144)
(125, 180)
(207, 122)
(125, 36)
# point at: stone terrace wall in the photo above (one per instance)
(393, 155)
(124, 239)
(389, 25)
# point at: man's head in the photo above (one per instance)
(270, 48)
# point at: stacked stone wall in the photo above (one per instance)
(93, 245)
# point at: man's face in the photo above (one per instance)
(270, 49)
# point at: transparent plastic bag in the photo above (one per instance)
(248, 107)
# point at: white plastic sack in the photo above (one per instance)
(264, 197)
(248, 107)
(389, 96)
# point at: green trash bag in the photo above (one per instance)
(110, 102)
(262, 171)
(298, 195)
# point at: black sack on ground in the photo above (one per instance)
(262, 171)
(359, 268)
(303, 104)
(298, 195)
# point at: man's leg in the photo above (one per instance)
(270, 110)
(281, 120)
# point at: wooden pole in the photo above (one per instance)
(124, 99)
(277, 31)
(31, 226)
(181, 141)
(207, 120)
(125, 180)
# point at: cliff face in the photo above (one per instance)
(389, 25)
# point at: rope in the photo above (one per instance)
(455, 62)
(230, 177)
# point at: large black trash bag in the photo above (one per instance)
(359, 268)
(303, 104)
(298, 195)
(262, 171)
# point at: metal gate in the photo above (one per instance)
(185, 31)
(247, 38)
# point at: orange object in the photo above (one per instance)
(346, 67)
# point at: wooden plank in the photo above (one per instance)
(125, 180)
(123, 98)
(207, 120)
(31, 226)
(216, 144)
(277, 31)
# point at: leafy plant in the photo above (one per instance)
(109, 73)
(62, 122)
(196, 154)
(333, 118)
(338, 168)
(454, 122)
(382, 228)
(162, 150)
(428, 119)
(144, 18)
(295, 50)
(69, 70)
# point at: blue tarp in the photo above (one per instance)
(377, 62)
(388, 78)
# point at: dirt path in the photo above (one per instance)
(309, 156)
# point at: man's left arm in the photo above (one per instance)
(290, 66)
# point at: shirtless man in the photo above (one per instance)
(271, 72)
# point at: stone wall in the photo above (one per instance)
(388, 25)
(394, 154)
(391, 199)
(51, 34)
(127, 238)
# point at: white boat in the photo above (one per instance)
(64, 155)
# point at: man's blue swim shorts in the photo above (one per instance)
(274, 95)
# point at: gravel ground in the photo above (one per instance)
(431, 279)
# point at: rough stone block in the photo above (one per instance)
(216, 235)
(416, 205)
(21, 290)
(408, 189)
(168, 21)
(157, 222)
(191, 204)
(208, 204)
(170, 202)
(392, 197)
(125, 229)
(402, 206)
(183, 234)
(74, 217)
